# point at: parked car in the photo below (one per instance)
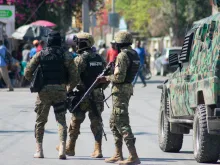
(162, 62)
(190, 97)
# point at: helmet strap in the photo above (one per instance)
(119, 46)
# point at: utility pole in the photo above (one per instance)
(85, 15)
(113, 11)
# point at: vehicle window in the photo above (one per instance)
(185, 52)
(175, 51)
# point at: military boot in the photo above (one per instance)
(39, 151)
(132, 159)
(117, 157)
(70, 148)
(62, 150)
(98, 150)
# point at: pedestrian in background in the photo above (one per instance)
(26, 53)
(25, 60)
(141, 53)
(15, 69)
(19, 52)
(112, 52)
(72, 50)
(102, 51)
(4, 63)
(34, 49)
(40, 46)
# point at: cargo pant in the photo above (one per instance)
(45, 100)
(119, 120)
(79, 116)
(5, 76)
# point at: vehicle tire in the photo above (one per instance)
(162, 71)
(168, 142)
(206, 146)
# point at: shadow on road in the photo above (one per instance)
(85, 158)
(152, 82)
(186, 152)
(144, 133)
(110, 133)
(141, 159)
(165, 159)
(24, 131)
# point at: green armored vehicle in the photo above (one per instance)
(190, 98)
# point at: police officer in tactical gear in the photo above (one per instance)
(57, 71)
(126, 67)
(89, 65)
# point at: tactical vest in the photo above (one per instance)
(52, 66)
(94, 67)
(134, 65)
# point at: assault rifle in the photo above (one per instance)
(95, 83)
(89, 92)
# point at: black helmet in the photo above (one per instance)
(54, 39)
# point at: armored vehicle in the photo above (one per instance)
(190, 97)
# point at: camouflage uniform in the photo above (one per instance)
(79, 116)
(85, 106)
(49, 96)
(121, 93)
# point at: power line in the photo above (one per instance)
(35, 11)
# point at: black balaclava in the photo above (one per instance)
(82, 46)
(54, 39)
(122, 45)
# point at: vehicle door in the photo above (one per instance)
(176, 93)
(186, 72)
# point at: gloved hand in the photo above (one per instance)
(102, 79)
(69, 93)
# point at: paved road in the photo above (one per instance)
(17, 143)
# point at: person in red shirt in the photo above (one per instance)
(112, 52)
(40, 46)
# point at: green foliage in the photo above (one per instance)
(136, 12)
(59, 12)
(156, 17)
(180, 15)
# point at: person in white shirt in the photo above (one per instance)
(103, 51)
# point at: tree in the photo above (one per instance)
(180, 15)
(58, 11)
(158, 17)
(136, 12)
